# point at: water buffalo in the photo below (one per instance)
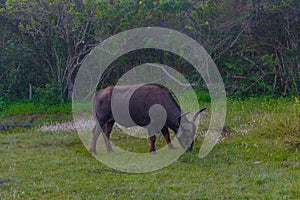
(109, 106)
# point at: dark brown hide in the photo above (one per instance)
(110, 107)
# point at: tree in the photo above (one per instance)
(60, 35)
(254, 43)
(15, 59)
(276, 35)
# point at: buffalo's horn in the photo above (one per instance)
(184, 114)
(196, 114)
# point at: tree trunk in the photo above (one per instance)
(30, 91)
(60, 90)
(70, 89)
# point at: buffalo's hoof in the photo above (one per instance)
(93, 151)
(110, 150)
(190, 149)
(170, 147)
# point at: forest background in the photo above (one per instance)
(254, 43)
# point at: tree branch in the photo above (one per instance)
(8, 126)
(170, 75)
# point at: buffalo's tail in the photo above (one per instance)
(94, 107)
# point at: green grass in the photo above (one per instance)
(258, 158)
(27, 108)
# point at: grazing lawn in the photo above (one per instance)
(257, 158)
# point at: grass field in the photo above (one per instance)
(258, 158)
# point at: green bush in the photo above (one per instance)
(25, 108)
(2, 104)
(20, 108)
(48, 95)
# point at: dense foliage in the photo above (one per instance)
(254, 43)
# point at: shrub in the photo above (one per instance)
(48, 95)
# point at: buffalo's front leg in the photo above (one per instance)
(152, 143)
(166, 135)
(191, 147)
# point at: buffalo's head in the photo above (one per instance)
(187, 130)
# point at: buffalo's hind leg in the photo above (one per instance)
(166, 135)
(96, 133)
(107, 129)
